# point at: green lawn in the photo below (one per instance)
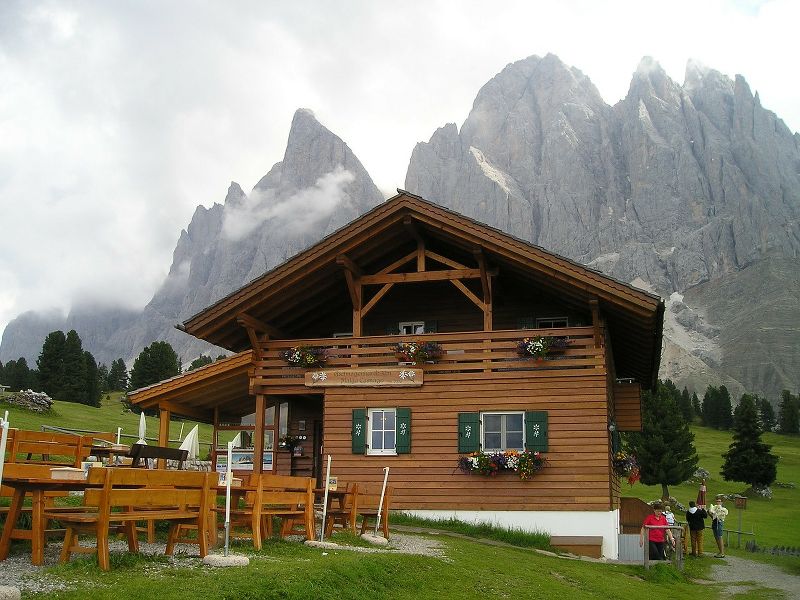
(468, 570)
(775, 522)
(107, 417)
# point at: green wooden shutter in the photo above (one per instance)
(616, 442)
(536, 430)
(469, 432)
(431, 326)
(359, 430)
(403, 431)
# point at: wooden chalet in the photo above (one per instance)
(410, 270)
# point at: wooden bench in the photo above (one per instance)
(50, 448)
(345, 513)
(140, 452)
(369, 497)
(130, 495)
(289, 498)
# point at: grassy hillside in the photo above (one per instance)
(773, 521)
(108, 417)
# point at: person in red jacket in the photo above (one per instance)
(655, 537)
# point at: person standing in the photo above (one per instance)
(695, 517)
(718, 513)
(655, 537)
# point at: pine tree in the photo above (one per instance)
(51, 364)
(749, 459)
(788, 414)
(696, 408)
(200, 361)
(118, 376)
(665, 446)
(710, 412)
(767, 414)
(724, 409)
(92, 384)
(156, 362)
(102, 378)
(686, 406)
(73, 388)
(17, 375)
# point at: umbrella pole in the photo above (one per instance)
(325, 500)
(228, 476)
(3, 441)
(380, 504)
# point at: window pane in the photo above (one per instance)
(491, 441)
(514, 422)
(491, 423)
(377, 440)
(388, 420)
(388, 440)
(514, 441)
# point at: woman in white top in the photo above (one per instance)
(718, 514)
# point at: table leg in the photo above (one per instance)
(11, 521)
(38, 525)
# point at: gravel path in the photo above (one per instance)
(739, 571)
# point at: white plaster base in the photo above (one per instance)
(555, 522)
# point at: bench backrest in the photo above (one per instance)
(141, 451)
(148, 489)
(283, 490)
(22, 470)
(49, 447)
(369, 496)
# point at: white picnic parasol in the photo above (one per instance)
(142, 429)
(192, 443)
(3, 440)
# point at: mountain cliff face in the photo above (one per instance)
(674, 187)
(319, 186)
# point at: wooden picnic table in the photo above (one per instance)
(36, 486)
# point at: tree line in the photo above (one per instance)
(65, 371)
(665, 447)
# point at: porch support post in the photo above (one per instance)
(163, 433)
(258, 443)
(595, 307)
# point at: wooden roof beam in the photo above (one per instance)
(446, 275)
(381, 293)
(346, 262)
(468, 293)
(408, 222)
(485, 282)
(246, 320)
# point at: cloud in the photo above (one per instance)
(298, 214)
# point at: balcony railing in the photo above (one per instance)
(468, 355)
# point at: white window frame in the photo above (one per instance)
(540, 321)
(502, 430)
(370, 421)
(413, 325)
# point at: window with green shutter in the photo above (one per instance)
(359, 430)
(536, 431)
(469, 432)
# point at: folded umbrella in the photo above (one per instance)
(142, 429)
(192, 443)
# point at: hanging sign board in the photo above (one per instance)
(366, 377)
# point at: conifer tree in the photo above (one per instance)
(767, 414)
(91, 387)
(749, 459)
(102, 377)
(696, 408)
(709, 413)
(200, 361)
(665, 446)
(686, 406)
(788, 414)
(73, 388)
(51, 364)
(156, 362)
(724, 409)
(18, 376)
(118, 376)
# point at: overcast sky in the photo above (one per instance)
(118, 118)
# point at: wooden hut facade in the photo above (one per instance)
(411, 271)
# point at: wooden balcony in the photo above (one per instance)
(467, 355)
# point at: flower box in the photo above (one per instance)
(540, 347)
(305, 356)
(525, 463)
(626, 465)
(414, 353)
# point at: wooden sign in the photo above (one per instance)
(367, 377)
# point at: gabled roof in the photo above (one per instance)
(312, 278)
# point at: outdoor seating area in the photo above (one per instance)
(118, 497)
